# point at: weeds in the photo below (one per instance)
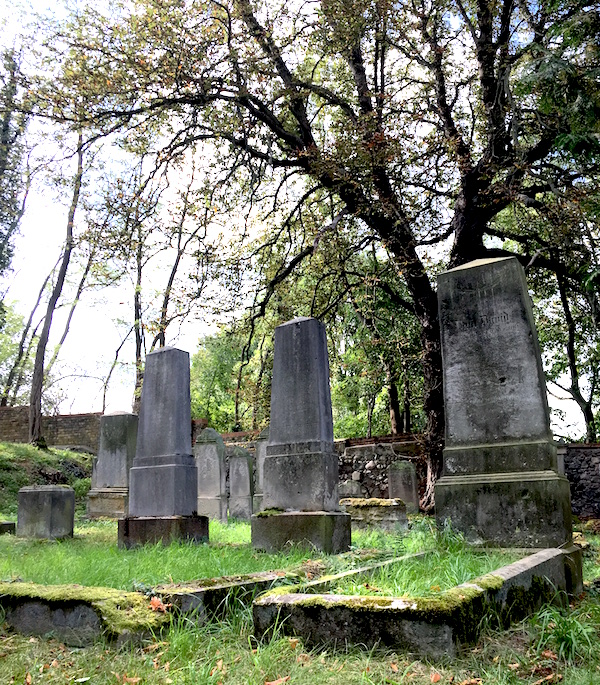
(568, 633)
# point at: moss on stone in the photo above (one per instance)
(120, 611)
(269, 512)
(369, 502)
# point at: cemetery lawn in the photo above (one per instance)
(552, 647)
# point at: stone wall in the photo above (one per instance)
(582, 468)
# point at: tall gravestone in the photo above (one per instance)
(300, 471)
(109, 493)
(240, 484)
(163, 483)
(499, 482)
(209, 452)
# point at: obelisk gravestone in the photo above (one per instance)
(300, 471)
(163, 480)
(499, 483)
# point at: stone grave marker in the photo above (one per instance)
(300, 476)
(109, 493)
(209, 452)
(260, 454)
(46, 511)
(402, 484)
(240, 484)
(163, 482)
(500, 482)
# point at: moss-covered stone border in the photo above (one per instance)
(429, 626)
(122, 615)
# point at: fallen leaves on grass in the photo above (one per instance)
(435, 677)
(552, 678)
(156, 604)
(279, 681)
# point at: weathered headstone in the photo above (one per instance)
(209, 452)
(46, 511)
(350, 488)
(373, 513)
(300, 501)
(500, 482)
(260, 454)
(163, 482)
(109, 493)
(240, 484)
(402, 484)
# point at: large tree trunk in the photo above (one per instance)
(37, 381)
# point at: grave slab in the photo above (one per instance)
(209, 453)
(46, 511)
(109, 494)
(500, 482)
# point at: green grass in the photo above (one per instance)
(22, 465)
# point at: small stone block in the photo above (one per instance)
(46, 511)
(327, 531)
(134, 531)
(402, 484)
(372, 512)
(107, 503)
(7, 527)
(213, 507)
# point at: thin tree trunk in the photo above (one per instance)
(406, 414)
(138, 326)
(12, 374)
(394, 401)
(37, 382)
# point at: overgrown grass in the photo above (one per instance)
(22, 465)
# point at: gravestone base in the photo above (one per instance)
(327, 531)
(46, 511)
(134, 531)
(530, 509)
(257, 502)
(375, 513)
(107, 502)
(215, 508)
(8, 527)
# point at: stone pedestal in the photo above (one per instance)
(141, 530)
(402, 484)
(109, 494)
(375, 513)
(240, 484)
(209, 453)
(163, 482)
(46, 511)
(328, 532)
(300, 475)
(500, 482)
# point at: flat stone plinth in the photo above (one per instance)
(373, 512)
(7, 527)
(520, 509)
(46, 511)
(107, 502)
(135, 531)
(327, 531)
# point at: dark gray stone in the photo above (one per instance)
(8, 527)
(301, 418)
(135, 531)
(77, 624)
(260, 451)
(163, 479)
(500, 482)
(328, 532)
(209, 453)
(46, 511)
(403, 485)
(240, 484)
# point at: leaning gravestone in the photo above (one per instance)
(109, 493)
(499, 482)
(300, 473)
(240, 484)
(209, 452)
(46, 511)
(163, 482)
